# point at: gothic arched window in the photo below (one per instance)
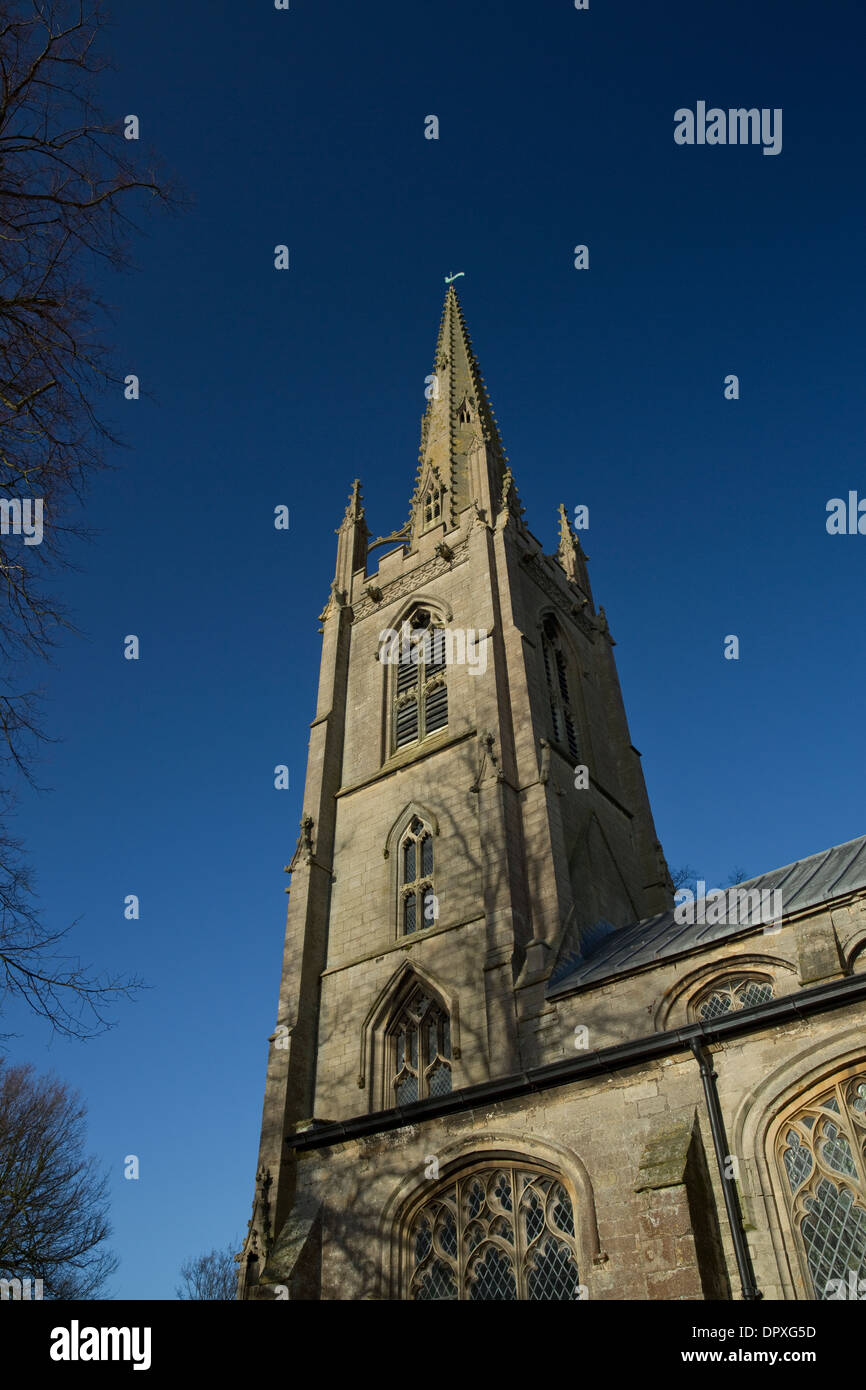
(419, 906)
(499, 1233)
(731, 993)
(420, 692)
(821, 1153)
(432, 506)
(562, 721)
(420, 1050)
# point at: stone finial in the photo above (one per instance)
(511, 503)
(259, 1232)
(353, 536)
(355, 509)
(566, 552)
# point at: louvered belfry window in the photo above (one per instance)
(421, 692)
(421, 1050)
(821, 1153)
(418, 903)
(501, 1234)
(562, 722)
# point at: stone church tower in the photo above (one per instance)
(474, 883)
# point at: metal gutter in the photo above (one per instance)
(818, 999)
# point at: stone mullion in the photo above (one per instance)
(858, 1136)
(520, 1246)
(855, 1142)
(422, 705)
(460, 1223)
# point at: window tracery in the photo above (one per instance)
(732, 993)
(420, 689)
(499, 1233)
(421, 1050)
(821, 1153)
(419, 906)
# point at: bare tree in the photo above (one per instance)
(212, 1276)
(68, 183)
(684, 877)
(35, 968)
(688, 878)
(53, 1199)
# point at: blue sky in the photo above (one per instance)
(707, 516)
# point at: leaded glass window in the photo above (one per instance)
(421, 1050)
(419, 906)
(733, 993)
(562, 721)
(420, 689)
(821, 1153)
(500, 1234)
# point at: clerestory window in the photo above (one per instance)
(734, 992)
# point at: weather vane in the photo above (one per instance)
(449, 278)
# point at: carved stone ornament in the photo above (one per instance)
(487, 755)
(408, 583)
(565, 601)
(304, 847)
(544, 774)
(259, 1236)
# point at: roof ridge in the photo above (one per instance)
(804, 859)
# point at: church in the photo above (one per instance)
(504, 1066)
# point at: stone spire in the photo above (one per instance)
(461, 459)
